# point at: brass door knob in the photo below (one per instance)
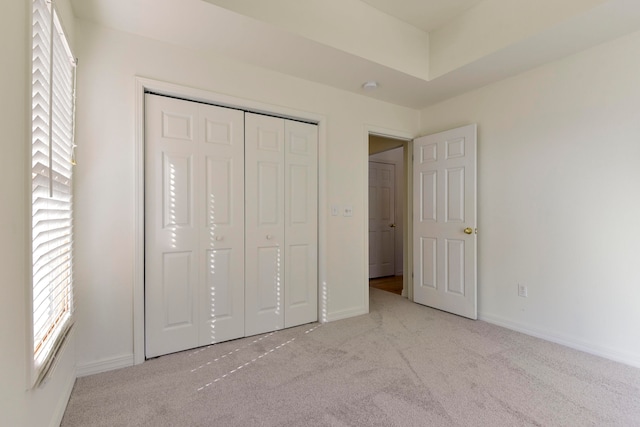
(468, 230)
(392, 225)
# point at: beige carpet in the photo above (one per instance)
(400, 365)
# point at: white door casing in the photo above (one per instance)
(444, 221)
(194, 257)
(381, 219)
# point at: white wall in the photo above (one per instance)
(396, 157)
(20, 406)
(109, 61)
(559, 197)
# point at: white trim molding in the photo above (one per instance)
(388, 133)
(567, 341)
(105, 365)
(347, 313)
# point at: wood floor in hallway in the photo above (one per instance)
(391, 284)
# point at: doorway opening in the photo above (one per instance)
(388, 214)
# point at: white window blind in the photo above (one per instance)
(53, 103)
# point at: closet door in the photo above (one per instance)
(222, 225)
(264, 224)
(194, 231)
(301, 223)
(281, 193)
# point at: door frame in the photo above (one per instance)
(143, 85)
(407, 282)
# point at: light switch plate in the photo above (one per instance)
(348, 211)
(335, 210)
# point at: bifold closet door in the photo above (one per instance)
(301, 223)
(194, 224)
(281, 223)
(264, 224)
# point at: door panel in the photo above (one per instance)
(219, 282)
(455, 266)
(298, 262)
(193, 245)
(177, 199)
(219, 194)
(171, 245)
(269, 281)
(455, 195)
(269, 192)
(221, 224)
(444, 206)
(428, 263)
(301, 223)
(264, 223)
(177, 289)
(381, 219)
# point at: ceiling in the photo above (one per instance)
(423, 14)
(419, 51)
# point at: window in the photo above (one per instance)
(53, 86)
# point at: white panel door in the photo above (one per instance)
(444, 221)
(381, 219)
(221, 225)
(193, 240)
(264, 223)
(301, 223)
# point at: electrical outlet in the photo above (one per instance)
(523, 291)
(348, 211)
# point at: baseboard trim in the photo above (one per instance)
(345, 314)
(65, 395)
(104, 365)
(607, 353)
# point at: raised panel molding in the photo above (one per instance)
(177, 197)
(177, 126)
(299, 275)
(269, 279)
(298, 198)
(178, 289)
(454, 250)
(268, 140)
(299, 145)
(219, 197)
(218, 283)
(428, 193)
(455, 195)
(455, 148)
(217, 132)
(429, 153)
(268, 200)
(428, 255)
